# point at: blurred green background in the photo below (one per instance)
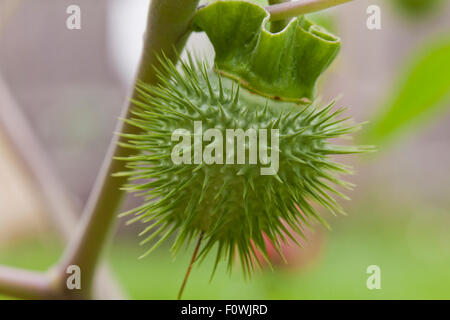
(411, 246)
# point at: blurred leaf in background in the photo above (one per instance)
(415, 8)
(325, 19)
(421, 93)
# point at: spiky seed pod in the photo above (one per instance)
(232, 205)
(263, 103)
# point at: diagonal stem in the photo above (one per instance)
(296, 8)
(167, 27)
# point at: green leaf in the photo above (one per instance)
(283, 65)
(422, 92)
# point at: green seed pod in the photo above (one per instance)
(199, 123)
(417, 8)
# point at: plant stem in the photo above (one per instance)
(58, 202)
(278, 25)
(24, 284)
(167, 28)
(292, 9)
(188, 271)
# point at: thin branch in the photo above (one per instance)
(292, 9)
(24, 284)
(278, 25)
(167, 24)
(188, 271)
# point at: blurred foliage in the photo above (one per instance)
(422, 90)
(411, 246)
(417, 8)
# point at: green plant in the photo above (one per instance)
(170, 23)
